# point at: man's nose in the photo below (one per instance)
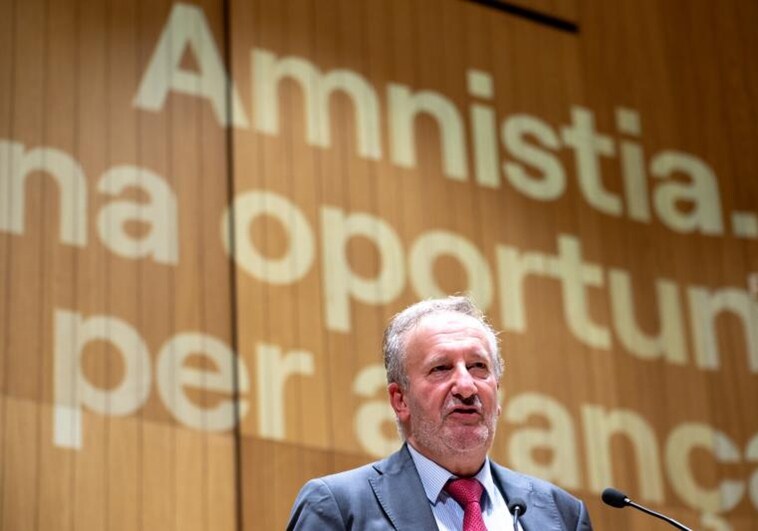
(463, 384)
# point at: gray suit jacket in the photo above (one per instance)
(388, 494)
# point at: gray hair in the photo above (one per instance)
(393, 345)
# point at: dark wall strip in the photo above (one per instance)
(230, 187)
(530, 14)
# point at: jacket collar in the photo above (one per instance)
(542, 513)
(399, 491)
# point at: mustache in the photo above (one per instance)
(471, 403)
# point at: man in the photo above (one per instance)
(443, 370)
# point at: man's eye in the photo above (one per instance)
(439, 368)
(479, 366)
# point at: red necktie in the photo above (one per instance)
(467, 492)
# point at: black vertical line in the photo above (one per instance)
(231, 235)
(199, 132)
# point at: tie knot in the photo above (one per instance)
(465, 490)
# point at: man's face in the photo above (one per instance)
(450, 408)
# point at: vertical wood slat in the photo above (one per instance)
(21, 424)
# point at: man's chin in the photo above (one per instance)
(464, 438)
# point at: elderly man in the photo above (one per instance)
(443, 371)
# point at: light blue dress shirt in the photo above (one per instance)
(447, 512)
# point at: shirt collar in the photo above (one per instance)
(434, 477)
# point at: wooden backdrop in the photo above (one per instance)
(186, 185)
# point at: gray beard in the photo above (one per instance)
(442, 439)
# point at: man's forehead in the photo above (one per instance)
(446, 326)
(449, 320)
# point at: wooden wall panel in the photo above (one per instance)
(672, 71)
(580, 257)
(76, 68)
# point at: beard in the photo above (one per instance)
(444, 436)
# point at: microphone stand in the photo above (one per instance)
(659, 515)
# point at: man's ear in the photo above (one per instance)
(500, 398)
(397, 401)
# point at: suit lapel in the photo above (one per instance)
(401, 494)
(541, 512)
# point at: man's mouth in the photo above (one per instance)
(465, 411)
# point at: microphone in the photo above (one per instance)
(517, 507)
(618, 499)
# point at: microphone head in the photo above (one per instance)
(615, 498)
(517, 503)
